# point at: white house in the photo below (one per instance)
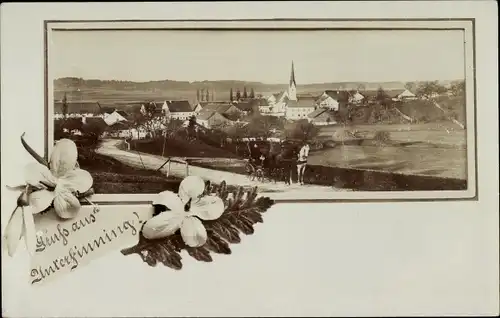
(330, 100)
(322, 117)
(178, 109)
(115, 117)
(356, 98)
(400, 94)
(299, 109)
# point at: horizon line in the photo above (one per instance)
(257, 82)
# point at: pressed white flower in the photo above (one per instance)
(185, 210)
(58, 184)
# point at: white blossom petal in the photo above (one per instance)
(170, 200)
(191, 187)
(29, 229)
(37, 175)
(77, 180)
(209, 207)
(14, 230)
(63, 157)
(66, 204)
(163, 225)
(193, 232)
(40, 200)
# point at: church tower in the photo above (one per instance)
(292, 87)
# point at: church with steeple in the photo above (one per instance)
(288, 104)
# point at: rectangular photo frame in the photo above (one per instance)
(320, 110)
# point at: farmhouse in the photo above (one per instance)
(321, 117)
(115, 117)
(223, 108)
(400, 94)
(356, 97)
(332, 99)
(178, 109)
(299, 109)
(210, 118)
(277, 103)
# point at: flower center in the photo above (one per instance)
(187, 206)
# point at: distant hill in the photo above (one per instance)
(78, 89)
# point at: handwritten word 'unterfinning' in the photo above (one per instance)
(76, 253)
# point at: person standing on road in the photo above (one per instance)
(302, 162)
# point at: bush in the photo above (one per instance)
(382, 136)
(329, 144)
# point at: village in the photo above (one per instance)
(328, 108)
(361, 129)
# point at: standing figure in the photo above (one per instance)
(302, 162)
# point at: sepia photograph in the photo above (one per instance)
(301, 110)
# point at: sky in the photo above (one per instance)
(262, 56)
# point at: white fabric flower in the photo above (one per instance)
(58, 184)
(185, 211)
(61, 181)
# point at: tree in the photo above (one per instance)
(72, 124)
(410, 86)
(428, 90)
(382, 98)
(207, 98)
(245, 94)
(65, 106)
(458, 88)
(238, 94)
(198, 95)
(302, 130)
(231, 94)
(92, 131)
(252, 93)
(263, 126)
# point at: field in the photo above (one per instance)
(434, 149)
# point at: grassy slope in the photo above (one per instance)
(112, 176)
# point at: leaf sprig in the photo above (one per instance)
(243, 209)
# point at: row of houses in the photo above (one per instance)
(302, 105)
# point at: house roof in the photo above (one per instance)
(337, 94)
(394, 92)
(218, 107)
(317, 112)
(205, 114)
(245, 106)
(122, 113)
(96, 121)
(324, 116)
(301, 103)
(177, 106)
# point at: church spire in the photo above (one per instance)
(292, 76)
(292, 87)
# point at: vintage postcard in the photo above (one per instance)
(303, 109)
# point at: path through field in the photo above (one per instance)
(132, 158)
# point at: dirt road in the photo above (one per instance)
(132, 158)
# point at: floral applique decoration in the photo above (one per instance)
(58, 184)
(200, 218)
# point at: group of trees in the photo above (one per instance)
(259, 126)
(429, 89)
(240, 96)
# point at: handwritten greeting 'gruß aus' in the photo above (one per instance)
(68, 251)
